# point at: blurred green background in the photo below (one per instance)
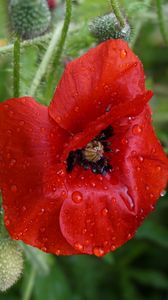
(138, 270)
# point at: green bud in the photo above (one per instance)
(29, 18)
(11, 263)
(107, 27)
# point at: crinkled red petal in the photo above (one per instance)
(30, 142)
(105, 76)
(103, 212)
(131, 108)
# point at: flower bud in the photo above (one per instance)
(52, 4)
(29, 18)
(108, 27)
(11, 263)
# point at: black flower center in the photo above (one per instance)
(93, 155)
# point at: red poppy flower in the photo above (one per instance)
(81, 176)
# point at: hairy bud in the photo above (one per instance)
(11, 263)
(107, 27)
(29, 18)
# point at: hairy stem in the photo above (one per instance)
(29, 288)
(57, 37)
(116, 9)
(65, 28)
(35, 42)
(161, 21)
(46, 60)
(16, 68)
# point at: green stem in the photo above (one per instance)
(16, 68)
(35, 42)
(116, 9)
(65, 28)
(161, 21)
(29, 288)
(135, 35)
(46, 59)
(51, 49)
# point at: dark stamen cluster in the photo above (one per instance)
(102, 165)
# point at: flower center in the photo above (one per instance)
(93, 155)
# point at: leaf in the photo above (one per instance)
(151, 278)
(52, 287)
(37, 258)
(154, 232)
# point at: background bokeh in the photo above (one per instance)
(139, 269)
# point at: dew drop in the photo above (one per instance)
(105, 212)
(136, 129)
(141, 159)
(7, 222)
(158, 168)
(14, 188)
(21, 123)
(123, 53)
(12, 162)
(147, 187)
(113, 248)
(78, 246)
(77, 197)
(98, 251)
(44, 249)
(163, 193)
(76, 109)
(24, 208)
(129, 236)
(58, 252)
(124, 141)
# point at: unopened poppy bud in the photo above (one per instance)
(107, 27)
(29, 18)
(52, 4)
(11, 263)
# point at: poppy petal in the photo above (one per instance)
(103, 212)
(105, 76)
(29, 143)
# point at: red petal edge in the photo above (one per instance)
(102, 213)
(104, 77)
(30, 142)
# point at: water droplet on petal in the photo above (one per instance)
(44, 249)
(58, 252)
(163, 193)
(129, 236)
(21, 123)
(113, 248)
(78, 246)
(105, 212)
(14, 188)
(141, 159)
(98, 251)
(136, 129)
(77, 197)
(124, 141)
(123, 53)
(24, 208)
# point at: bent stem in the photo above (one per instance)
(29, 288)
(64, 32)
(116, 9)
(16, 68)
(161, 21)
(46, 59)
(57, 37)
